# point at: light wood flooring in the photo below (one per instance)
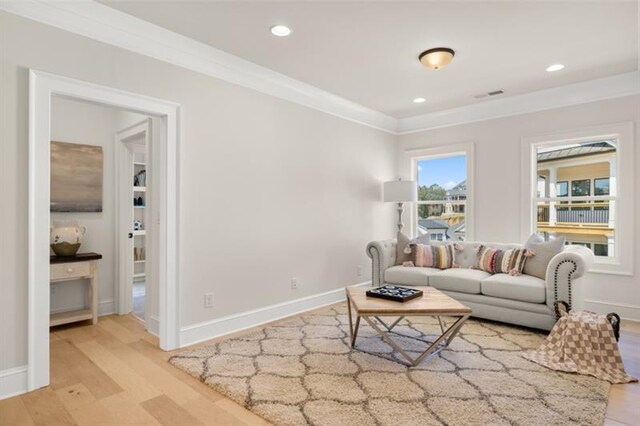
(113, 373)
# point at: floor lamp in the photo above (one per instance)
(400, 191)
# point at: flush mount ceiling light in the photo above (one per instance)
(555, 67)
(419, 100)
(280, 30)
(437, 58)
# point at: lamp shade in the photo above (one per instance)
(400, 191)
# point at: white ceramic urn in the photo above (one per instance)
(66, 237)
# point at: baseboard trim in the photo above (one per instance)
(106, 307)
(13, 381)
(627, 312)
(208, 330)
(153, 325)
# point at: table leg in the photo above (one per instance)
(393, 324)
(440, 343)
(353, 332)
(447, 336)
(94, 291)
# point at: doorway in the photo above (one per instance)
(164, 160)
(134, 227)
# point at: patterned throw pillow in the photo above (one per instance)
(440, 256)
(497, 261)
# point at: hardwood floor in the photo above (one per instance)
(113, 373)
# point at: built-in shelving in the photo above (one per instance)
(139, 213)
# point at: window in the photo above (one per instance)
(441, 209)
(576, 243)
(580, 188)
(436, 236)
(601, 249)
(601, 186)
(562, 189)
(542, 186)
(590, 197)
(582, 218)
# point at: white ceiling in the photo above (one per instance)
(367, 52)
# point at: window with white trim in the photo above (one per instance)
(578, 201)
(441, 209)
(605, 210)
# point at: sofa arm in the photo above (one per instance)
(383, 256)
(563, 269)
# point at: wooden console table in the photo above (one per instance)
(82, 266)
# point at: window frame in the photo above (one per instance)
(565, 182)
(624, 199)
(410, 170)
(608, 179)
(588, 194)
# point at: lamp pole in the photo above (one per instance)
(400, 211)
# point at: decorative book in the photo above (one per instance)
(394, 292)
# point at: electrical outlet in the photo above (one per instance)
(208, 300)
(294, 283)
(359, 270)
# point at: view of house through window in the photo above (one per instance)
(576, 193)
(442, 195)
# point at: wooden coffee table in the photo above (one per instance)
(432, 303)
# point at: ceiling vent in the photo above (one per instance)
(486, 95)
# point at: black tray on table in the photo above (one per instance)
(394, 292)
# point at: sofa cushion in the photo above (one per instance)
(430, 256)
(498, 261)
(409, 275)
(403, 251)
(524, 288)
(461, 280)
(536, 266)
(467, 257)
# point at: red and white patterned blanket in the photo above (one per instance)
(582, 342)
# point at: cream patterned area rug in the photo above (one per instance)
(301, 371)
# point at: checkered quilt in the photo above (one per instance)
(582, 342)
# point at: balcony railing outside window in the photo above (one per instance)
(584, 213)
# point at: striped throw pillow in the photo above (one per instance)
(440, 257)
(497, 261)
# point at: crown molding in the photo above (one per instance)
(102, 23)
(99, 22)
(571, 94)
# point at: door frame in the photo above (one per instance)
(124, 171)
(42, 86)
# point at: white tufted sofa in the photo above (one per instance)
(522, 300)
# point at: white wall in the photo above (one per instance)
(269, 190)
(84, 123)
(498, 183)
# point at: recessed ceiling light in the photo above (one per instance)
(280, 30)
(437, 58)
(419, 100)
(555, 67)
